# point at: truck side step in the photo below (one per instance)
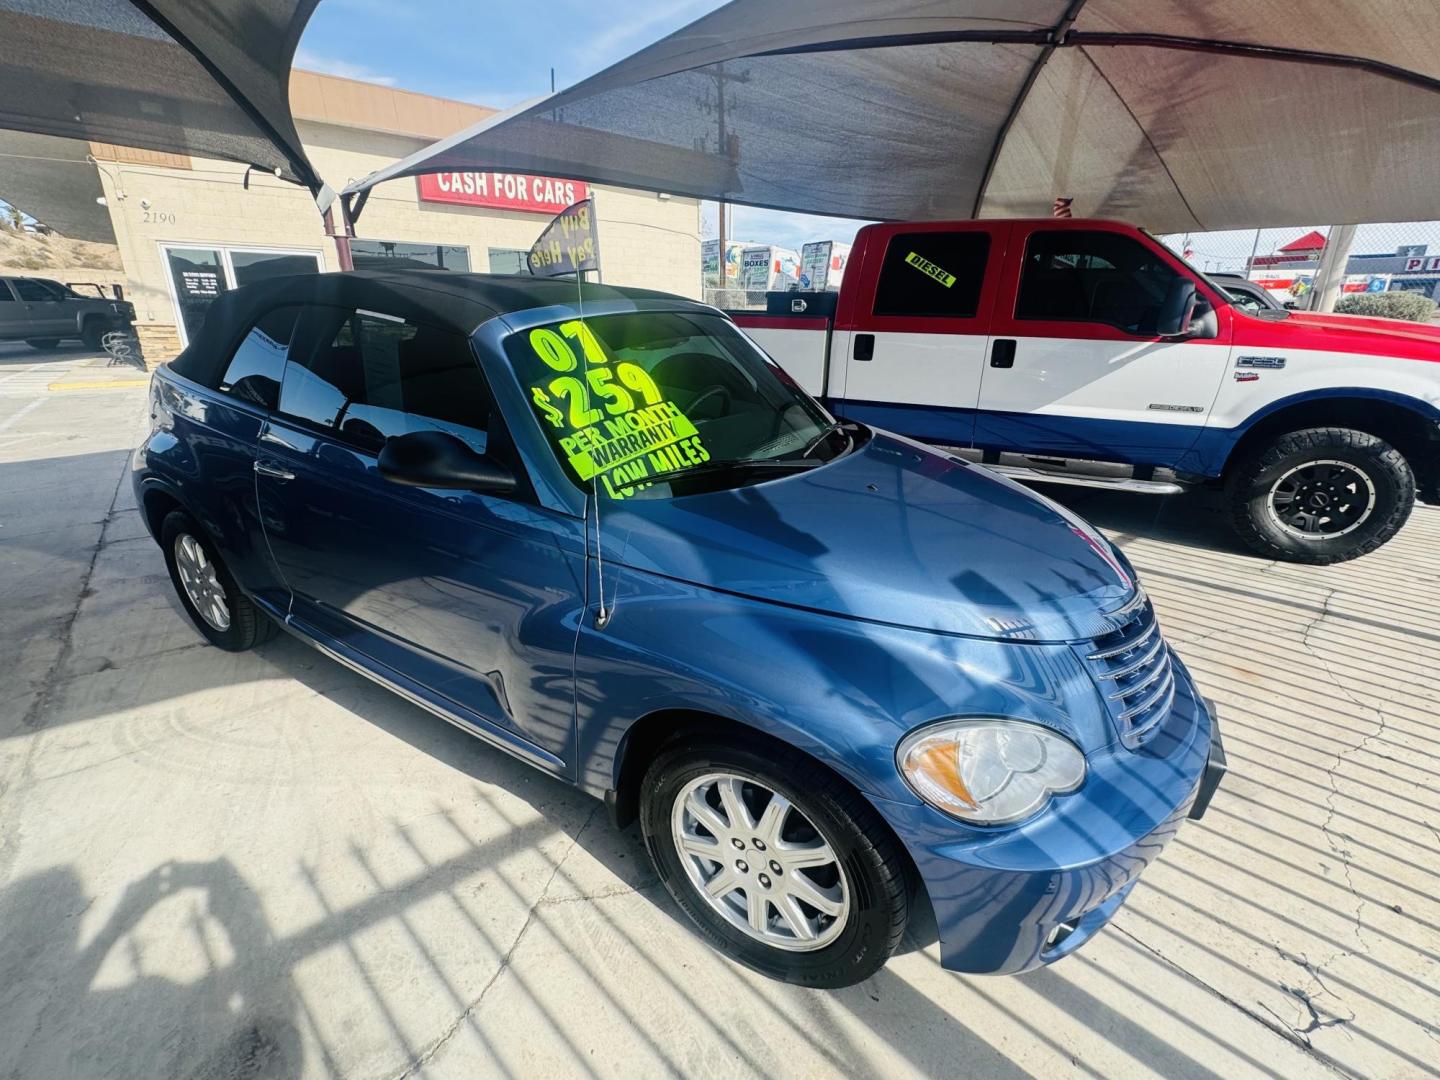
(1114, 483)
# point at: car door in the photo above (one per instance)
(14, 319)
(469, 598)
(916, 336)
(46, 314)
(1076, 367)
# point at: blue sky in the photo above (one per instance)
(499, 54)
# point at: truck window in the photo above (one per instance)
(933, 275)
(1073, 275)
(33, 290)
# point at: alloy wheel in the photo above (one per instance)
(1320, 500)
(202, 583)
(760, 862)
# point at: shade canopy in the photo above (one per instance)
(1174, 114)
(209, 79)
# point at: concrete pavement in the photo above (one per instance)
(263, 865)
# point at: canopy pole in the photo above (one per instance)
(341, 236)
(1330, 274)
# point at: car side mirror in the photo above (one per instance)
(437, 459)
(1177, 310)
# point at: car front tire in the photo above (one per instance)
(777, 862)
(1321, 495)
(220, 611)
(42, 343)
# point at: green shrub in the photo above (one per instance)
(1388, 305)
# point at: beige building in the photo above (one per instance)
(189, 228)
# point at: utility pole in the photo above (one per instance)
(721, 78)
(1330, 275)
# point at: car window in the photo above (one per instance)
(933, 275)
(625, 398)
(1243, 300)
(255, 371)
(32, 290)
(5, 293)
(57, 291)
(1080, 276)
(372, 377)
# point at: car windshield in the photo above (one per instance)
(667, 403)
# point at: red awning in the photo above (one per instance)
(1314, 240)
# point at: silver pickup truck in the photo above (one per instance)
(42, 313)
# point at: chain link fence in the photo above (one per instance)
(1395, 256)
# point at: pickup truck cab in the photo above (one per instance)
(42, 313)
(1084, 351)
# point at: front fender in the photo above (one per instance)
(842, 690)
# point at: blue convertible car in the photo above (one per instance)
(825, 667)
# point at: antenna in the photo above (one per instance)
(602, 613)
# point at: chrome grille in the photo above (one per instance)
(1133, 670)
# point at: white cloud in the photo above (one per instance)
(326, 65)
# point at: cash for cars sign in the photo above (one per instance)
(502, 191)
(608, 420)
(568, 245)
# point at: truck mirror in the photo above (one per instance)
(1178, 309)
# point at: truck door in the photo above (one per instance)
(1076, 367)
(47, 314)
(915, 332)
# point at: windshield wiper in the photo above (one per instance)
(740, 465)
(825, 432)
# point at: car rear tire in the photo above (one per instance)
(812, 889)
(220, 611)
(42, 343)
(1321, 495)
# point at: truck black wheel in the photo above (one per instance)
(1322, 495)
(777, 862)
(93, 331)
(220, 611)
(42, 342)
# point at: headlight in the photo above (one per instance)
(989, 772)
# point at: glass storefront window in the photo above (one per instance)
(395, 255)
(508, 261)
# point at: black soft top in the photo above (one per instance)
(439, 298)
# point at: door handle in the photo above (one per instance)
(864, 346)
(265, 468)
(1002, 353)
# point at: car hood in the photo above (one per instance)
(893, 532)
(1361, 326)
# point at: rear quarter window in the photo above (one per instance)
(255, 371)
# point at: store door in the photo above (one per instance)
(199, 275)
(197, 278)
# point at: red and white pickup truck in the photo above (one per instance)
(1086, 352)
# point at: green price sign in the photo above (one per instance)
(608, 420)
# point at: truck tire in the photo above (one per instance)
(42, 342)
(92, 330)
(1321, 495)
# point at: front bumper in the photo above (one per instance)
(1009, 900)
